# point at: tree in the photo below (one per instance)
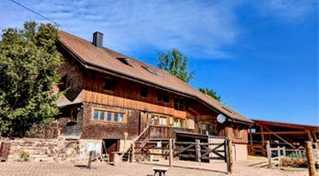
(210, 92)
(176, 64)
(28, 69)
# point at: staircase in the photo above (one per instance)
(143, 145)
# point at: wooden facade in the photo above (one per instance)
(106, 106)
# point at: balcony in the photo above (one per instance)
(165, 132)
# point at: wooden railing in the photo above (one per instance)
(165, 132)
(157, 132)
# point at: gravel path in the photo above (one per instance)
(128, 169)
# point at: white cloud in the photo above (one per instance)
(197, 28)
(288, 10)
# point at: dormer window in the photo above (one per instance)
(124, 61)
(109, 84)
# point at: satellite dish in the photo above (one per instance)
(221, 118)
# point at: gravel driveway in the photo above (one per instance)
(127, 169)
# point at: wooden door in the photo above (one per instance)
(111, 146)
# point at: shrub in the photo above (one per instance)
(293, 162)
(24, 156)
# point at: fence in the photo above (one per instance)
(310, 153)
(196, 151)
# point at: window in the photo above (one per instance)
(179, 104)
(144, 92)
(158, 120)
(108, 116)
(109, 84)
(162, 121)
(177, 123)
(165, 98)
(190, 124)
(162, 97)
(124, 61)
(118, 117)
(98, 115)
(63, 83)
(207, 129)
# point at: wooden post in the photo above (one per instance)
(90, 159)
(284, 151)
(262, 135)
(229, 156)
(268, 153)
(197, 149)
(279, 156)
(170, 159)
(131, 153)
(310, 159)
(317, 148)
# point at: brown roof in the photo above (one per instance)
(105, 59)
(285, 124)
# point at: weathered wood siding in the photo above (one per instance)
(240, 138)
(72, 76)
(97, 129)
(126, 97)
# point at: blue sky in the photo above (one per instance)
(260, 56)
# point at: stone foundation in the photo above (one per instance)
(37, 149)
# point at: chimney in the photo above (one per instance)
(98, 39)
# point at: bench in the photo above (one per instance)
(161, 171)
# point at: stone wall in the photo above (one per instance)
(39, 149)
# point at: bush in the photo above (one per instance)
(293, 162)
(24, 156)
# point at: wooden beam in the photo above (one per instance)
(262, 134)
(309, 135)
(286, 125)
(282, 132)
(281, 138)
(268, 154)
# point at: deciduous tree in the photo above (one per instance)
(28, 69)
(210, 92)
(175, 63)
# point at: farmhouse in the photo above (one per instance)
(114, 101)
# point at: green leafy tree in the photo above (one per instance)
(28, 70)
(175, 63)
(210, 92)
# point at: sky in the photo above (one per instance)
(260, 56)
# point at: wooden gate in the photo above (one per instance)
(198, 151)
